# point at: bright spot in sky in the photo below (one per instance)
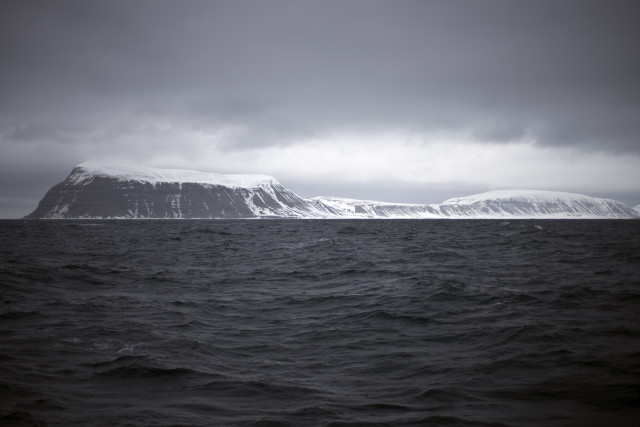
(411, 158)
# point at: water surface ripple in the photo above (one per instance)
(320, 323)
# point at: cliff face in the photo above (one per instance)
(109, 198)
(87, 195)
(96, 191)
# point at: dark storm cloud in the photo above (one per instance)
(564, 72)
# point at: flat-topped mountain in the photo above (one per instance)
(98, 191)
(535, 203)
(94, 190)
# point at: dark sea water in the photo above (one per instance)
(314, 323)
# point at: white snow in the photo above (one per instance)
(343, 201)
(156, 175)
(534, 203)
(492, 204)
(518, 195)
(354, 208)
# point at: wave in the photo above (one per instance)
(319, 323)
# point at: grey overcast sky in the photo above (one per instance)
(405, 101)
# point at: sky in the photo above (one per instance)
(398, 101)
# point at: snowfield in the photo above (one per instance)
(89, 170)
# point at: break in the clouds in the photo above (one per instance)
(402, 101)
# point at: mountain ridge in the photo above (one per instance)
(95, 190)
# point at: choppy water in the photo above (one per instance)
(313, 323)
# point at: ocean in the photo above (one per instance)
(320, 322)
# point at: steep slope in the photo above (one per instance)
(99, 191)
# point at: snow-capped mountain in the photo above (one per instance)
(534, 203)
(98, 191)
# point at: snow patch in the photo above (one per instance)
(85, 172)
(342, 201)
(520, 196)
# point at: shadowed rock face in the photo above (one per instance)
(109, 197)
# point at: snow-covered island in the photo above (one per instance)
(94, 190)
